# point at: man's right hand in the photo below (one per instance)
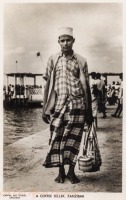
(46, 118)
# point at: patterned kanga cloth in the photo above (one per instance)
(67, 127)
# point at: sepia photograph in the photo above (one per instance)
(62, 100)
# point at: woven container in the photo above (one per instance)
(85, 164)
(85, 169)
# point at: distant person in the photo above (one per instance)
(94, 94)
(101, 94)
(12, 91)
(72, 106)
(18, 89)
(104, 99)
(22, 88)
(120, 100)
(113, 93)
(9, 89)
(117, 87)
(113, 84)
(4, 92)
(109, 94)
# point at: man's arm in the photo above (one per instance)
(46, 118)
(47, 76)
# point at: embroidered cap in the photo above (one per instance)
(65, 31)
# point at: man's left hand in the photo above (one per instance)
(88, 117)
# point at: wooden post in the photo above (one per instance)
(15, 86)
(25, 85)
(34, 80)
(6, 84)
(106, 80)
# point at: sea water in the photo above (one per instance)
(21, 122)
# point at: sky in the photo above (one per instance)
(32, 27)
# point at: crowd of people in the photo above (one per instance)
(113, 93)
(102, 95)
(18, 89)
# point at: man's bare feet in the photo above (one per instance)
(73, 178)
(61, 176)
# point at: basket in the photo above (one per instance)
(90, 161)
(85, 163)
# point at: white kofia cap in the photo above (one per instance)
(65, 31)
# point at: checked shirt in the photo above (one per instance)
(67, 83)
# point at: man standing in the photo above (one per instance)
(72, 105)
(101, 94)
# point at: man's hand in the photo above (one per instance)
(88, 117)
(89, 120)
(46, 118)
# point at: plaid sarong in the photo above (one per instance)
(67, 127)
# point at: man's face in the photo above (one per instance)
(66, 43)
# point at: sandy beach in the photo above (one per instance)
(25, 172)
